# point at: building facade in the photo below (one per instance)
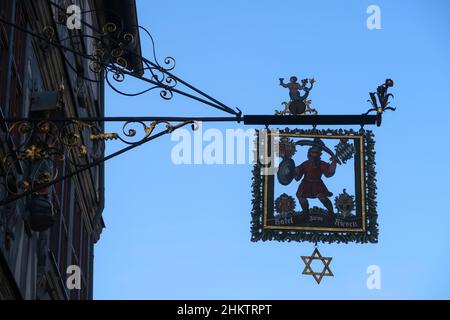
(44, 235)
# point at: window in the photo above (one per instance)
(75, 293)
(56, 228)
(63, 257)
(85, 250)
(5, 9)
(65, 201)
(19, 38)
(76, 231)
(18, 63)
(16, 96)
(3, 62)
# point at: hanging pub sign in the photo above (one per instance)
(315, 185)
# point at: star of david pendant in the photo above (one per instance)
(326, 271)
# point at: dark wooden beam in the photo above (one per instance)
(311, 120)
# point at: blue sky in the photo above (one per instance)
(183, 232)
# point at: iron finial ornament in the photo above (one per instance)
(380, 100)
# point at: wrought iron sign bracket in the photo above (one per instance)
(39, 143)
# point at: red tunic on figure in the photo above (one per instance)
(312, 185)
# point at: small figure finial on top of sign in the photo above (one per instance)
(299, 103)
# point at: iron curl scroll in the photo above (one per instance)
(112, 53)
(114, 56)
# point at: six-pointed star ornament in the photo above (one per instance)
(326, 266)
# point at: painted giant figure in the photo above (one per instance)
(312, 186)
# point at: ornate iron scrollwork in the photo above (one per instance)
(112, 54)
(38, 146)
